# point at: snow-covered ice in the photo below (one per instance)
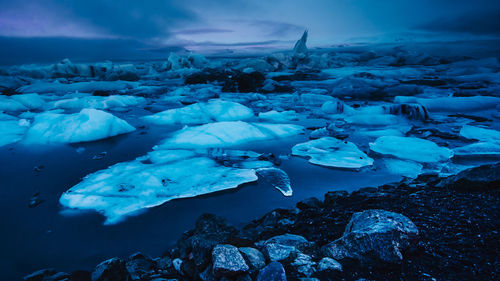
(126, 188)
(410, 148)
(87, 125)
(482, 134)
(332, 152)
(200, 113)
(225, 134)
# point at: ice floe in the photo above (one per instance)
(225, 134)
(332, 152)
(96, 102)
(404, 168)
(201, 113)
(452, 104)
(82, 87)
(12, 130)
(279, 116)
(87, 125)
(482, 134)
(126, 188)
(410, 148)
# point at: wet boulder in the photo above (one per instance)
(372, 236)
(113, 269)
(281, 247)
(228, 261)
(274, 271)
(485, 177)
(209, 231)
(303, 264)
(253, 257)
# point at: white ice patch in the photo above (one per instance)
(225, 134)
(96, 102)
(404, 168)
(419, 150)
(332, 152)
(126, 188)
(482, 134)
(480, 149)
(452, 104)
(12, 130)
(87, 125)
(81, 87)
(276, 116)
(201, 113)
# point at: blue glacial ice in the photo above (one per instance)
(411, 148)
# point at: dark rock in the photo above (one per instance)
(111, 270)
(281, 247)
(332, 197)
(374, 235)
(309, 203)
(250, 82)
(209, 231)
(486, 177)
(303, 264)
(274, 271)
(253, 257)
(208, 274)
(40, 275)
(81, 275)
(139, 265)
(228, 261)
(328, 265)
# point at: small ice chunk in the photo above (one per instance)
(201, 113)
(224, 134)
(410, 148)
(275, 116)
(332, 152)
(277, 178)
(87, 125)
(404, 168)
(482, 134)
(12, 130)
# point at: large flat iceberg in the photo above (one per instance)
(410, 148)
(226, 134)
(87, 125)
(332, 152)
(200, 113)
(126, 188)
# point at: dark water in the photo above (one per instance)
(40, 237)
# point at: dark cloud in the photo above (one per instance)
(480, 23)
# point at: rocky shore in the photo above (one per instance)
(425, 229)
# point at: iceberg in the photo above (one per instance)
(201, 113)
(275, 116)
(277, 178)
(332, 152)
(300, 46)
(482, 134)
(82, 87)
(452, 104)
(87, 125)
(96, 102)
(127, 188)
(13, 130)
(410, 148)
(225, 134)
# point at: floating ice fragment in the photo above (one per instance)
(277, 178)
(201, 113)
(332, 152)
(405, 168)
(87, 125)
(225, 134)
(482, 134)
(411, 148)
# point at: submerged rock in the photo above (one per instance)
(374, 235)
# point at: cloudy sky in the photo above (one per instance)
(234, 23)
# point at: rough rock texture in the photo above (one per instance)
(274, 271)
(254, 258)
(111, 270)
(228, 261)
(280, 247)
(374, 235)
(475, 179)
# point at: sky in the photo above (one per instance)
(202, 24)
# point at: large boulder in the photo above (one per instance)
(228, 261)
(113, 269)
(254, 258)
(139, 265)
(274, 271)
(374, 235)
(480, 178)
(209, 231)
(281, 247)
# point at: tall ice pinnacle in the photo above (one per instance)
(300, 46)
